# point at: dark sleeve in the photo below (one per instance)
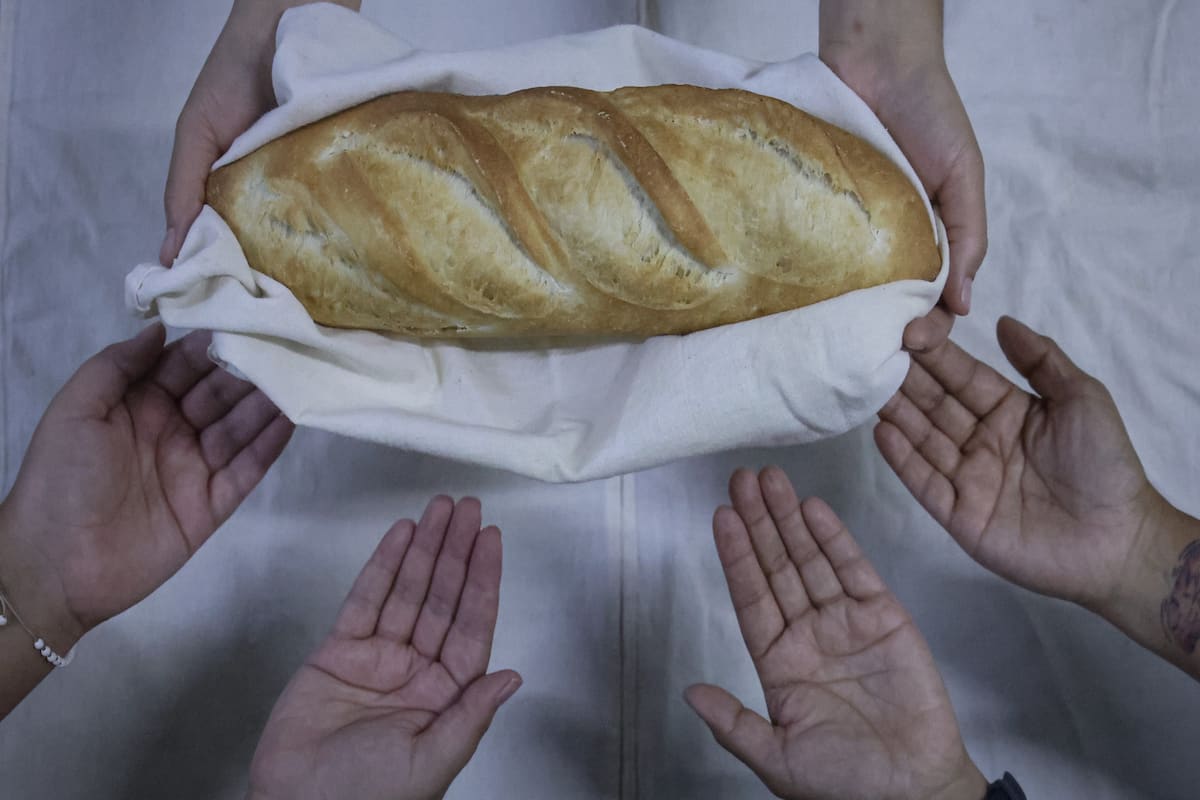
(1006, 788)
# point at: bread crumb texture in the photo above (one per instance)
(565, 212)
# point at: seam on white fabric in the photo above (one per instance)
(1156, 79)
(8, 24)
(630, 581)
(620, 513)
(645, 15)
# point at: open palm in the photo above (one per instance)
(858, 709)
(138, 460)
(1046, 490)
(395, 701)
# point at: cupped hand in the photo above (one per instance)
(137, 461)
(1044, 490)
(396, 700)
(917, 101)
(857, 707)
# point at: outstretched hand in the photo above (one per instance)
(1045, 490)
(396, 700)
(857, 706)
(137, 461)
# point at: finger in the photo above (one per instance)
(820, 581)
(933, 490)
(230, 486)
(213, 397)
(193, 155)
(854, 571)
(940, 407)
(449, 575)
(468, 645)
(1049, 370)
(927, 332)
(221, 441)
(936, 447)
(962, 202)
(184, 364)
(102, 381)
(758, 615)
(360, 612)
(452, 737)
(403, 605)
(745, 734)
(784, 580)
(975, 385)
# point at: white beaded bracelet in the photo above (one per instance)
(39, 644)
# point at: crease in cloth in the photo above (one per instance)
(1053, 655)
(8, 27)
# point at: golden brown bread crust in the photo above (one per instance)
(561, 211)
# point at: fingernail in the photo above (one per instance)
(965, 294)
(509, 690)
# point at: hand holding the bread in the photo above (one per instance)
(396, 700)
(857, 706)
(890, 53)
(232, 91)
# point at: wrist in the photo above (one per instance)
(968, 784)
(33, 586)
(868, 41)
(1135, 604)
(250, 30)
(259, 15)
(249, 33)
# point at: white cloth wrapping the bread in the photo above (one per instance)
(558, 414)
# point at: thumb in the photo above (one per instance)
(195, 151)
(739, 730)
(962, 202)
(1039, 359)
(104, 378)
(457, 731)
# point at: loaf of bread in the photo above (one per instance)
(567, 212)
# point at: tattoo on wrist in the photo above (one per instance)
(1180, 611)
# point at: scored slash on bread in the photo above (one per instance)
(560, 211)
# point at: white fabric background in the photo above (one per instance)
(1088, 116)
